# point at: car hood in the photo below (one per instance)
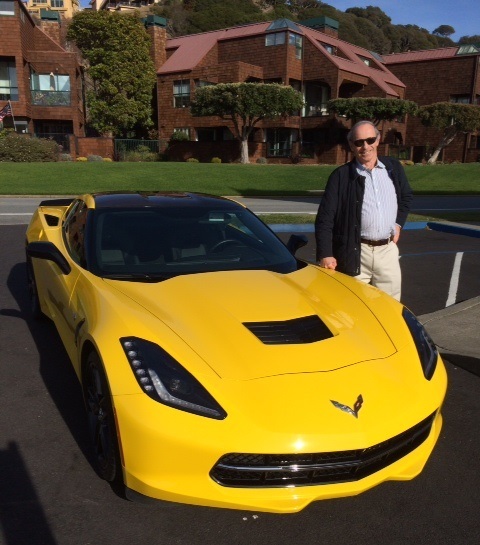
(208, 311)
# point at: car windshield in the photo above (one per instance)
(158, 243)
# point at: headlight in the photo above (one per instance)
(427, 351)
(162, 378)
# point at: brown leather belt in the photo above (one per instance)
(376, 242)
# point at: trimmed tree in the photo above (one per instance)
(245, 105)
(121, 73)
(371, 109)
(452, 119)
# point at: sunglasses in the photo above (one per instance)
(359, 143)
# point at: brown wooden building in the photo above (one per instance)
(312, 60)
(41, 79)
(450, 74)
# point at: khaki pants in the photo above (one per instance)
(380, 266)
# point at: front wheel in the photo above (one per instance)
(101, 420)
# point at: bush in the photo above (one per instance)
(94, 158)
(261, 161)
(65, 157)
(81, 159)
(407, 163)
(107, 160)
(142, 154)
(18, 148)
(216, 160)
(179, 136)
(192, 160)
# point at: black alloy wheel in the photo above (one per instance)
(101, 420)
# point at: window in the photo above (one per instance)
(475, 141)
(329, 48)
(56, 3)
(181, 93)
(276, 38)
(182, 130)
(365, 60)
(8, 81)
(50, 89)
(297, 41)
(74, 231)
(460, 99)
(7, 7)
(279, 142)
(202, 83)
(316, 97)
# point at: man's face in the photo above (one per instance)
(365, 152)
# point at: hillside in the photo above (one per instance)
(369, 27)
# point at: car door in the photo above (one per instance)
(60, 288)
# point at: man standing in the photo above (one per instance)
(365, 205)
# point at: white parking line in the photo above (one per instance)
(452, 292)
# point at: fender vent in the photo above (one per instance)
(309, 329)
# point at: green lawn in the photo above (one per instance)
(218, 179)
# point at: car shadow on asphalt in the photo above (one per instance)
(55, 367)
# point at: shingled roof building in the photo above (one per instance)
(449, 74)
(40, 78)
(311, 60)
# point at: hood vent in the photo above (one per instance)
(305, 330)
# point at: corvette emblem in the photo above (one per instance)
(347, 409)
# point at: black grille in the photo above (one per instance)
(281, 470)
(309, 329)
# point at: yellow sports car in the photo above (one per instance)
(218, 369)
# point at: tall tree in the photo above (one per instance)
(372, 109)
(245, 105)
(452, 119)
(444, 30)
(116, 49)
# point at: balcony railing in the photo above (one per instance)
(50, 98)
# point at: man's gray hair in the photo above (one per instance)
(351, 132)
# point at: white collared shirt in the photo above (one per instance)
(379, 208)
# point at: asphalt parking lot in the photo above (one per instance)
(50, 495)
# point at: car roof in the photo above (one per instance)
(163, 199)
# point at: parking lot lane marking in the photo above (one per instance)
(452, 292)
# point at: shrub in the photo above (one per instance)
(94, 158)
(140, 154)
(107, 160)
(192, 160)
(179, 136)
(261, 161)
(81, 159)
(18, 148)
(407, 163)
(65, 157)
(216, 160)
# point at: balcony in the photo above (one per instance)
(50, 98)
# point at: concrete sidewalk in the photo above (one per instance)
(456, 332)
(456, 329)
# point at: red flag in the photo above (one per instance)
(5, 111)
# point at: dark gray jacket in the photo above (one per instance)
(337, 225)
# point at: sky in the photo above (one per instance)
(462, 15)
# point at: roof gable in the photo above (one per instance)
(188, 51)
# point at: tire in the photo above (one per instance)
(101, 420)
(35, 308)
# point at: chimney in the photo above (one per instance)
(50, 23)
(323, 24)
(157, 30)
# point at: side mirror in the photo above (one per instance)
(295, 242)
(47, 250)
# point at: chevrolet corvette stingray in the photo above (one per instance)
(217, 368)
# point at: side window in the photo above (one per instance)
(74, 232)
